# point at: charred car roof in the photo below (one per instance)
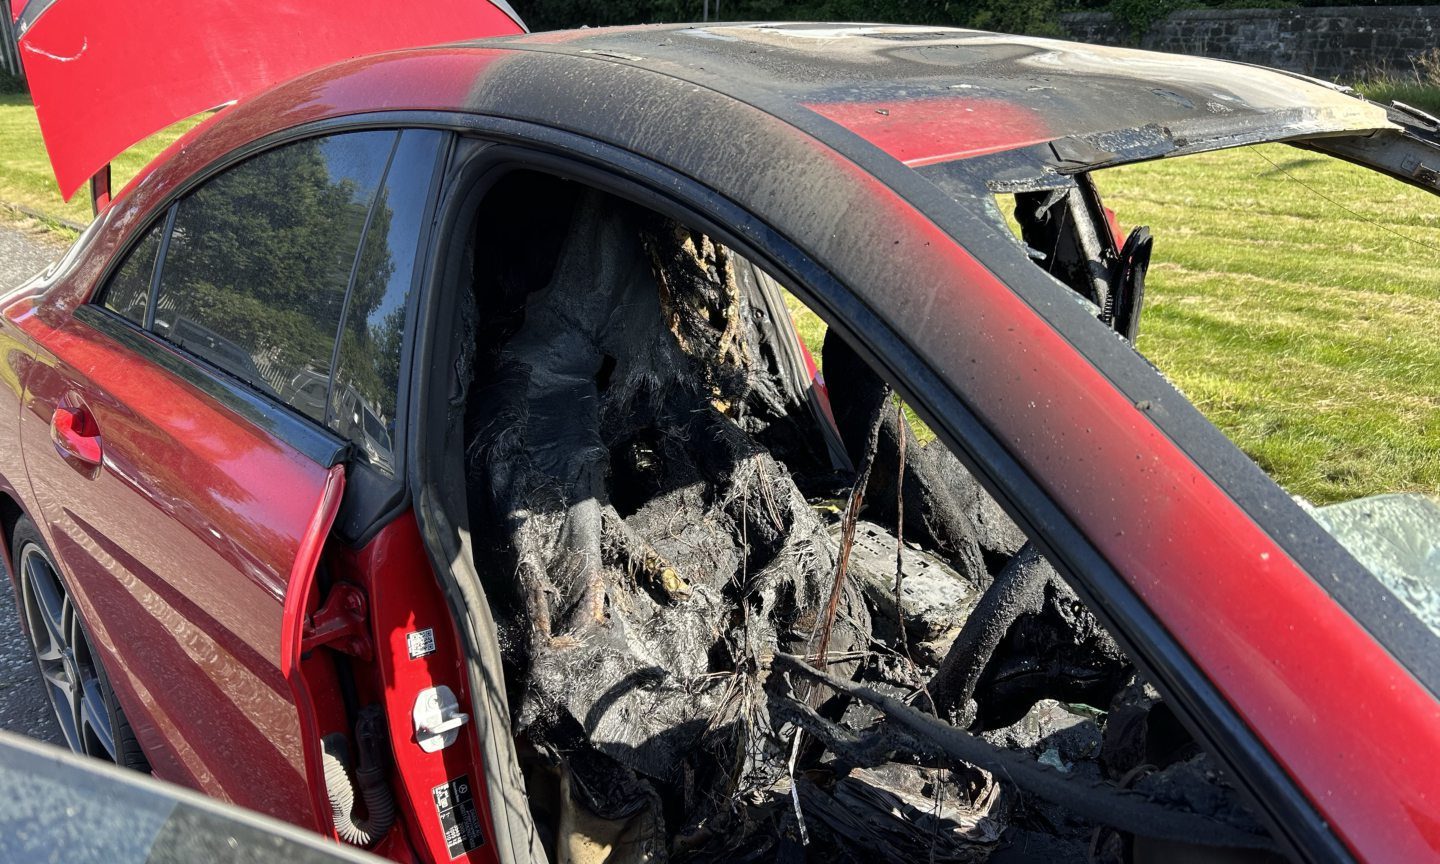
(804, 133)
(933, 99)
(927, 95)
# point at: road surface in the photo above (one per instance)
(24, 707)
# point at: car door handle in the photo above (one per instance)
(75, 434)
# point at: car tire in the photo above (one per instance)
(90, 718)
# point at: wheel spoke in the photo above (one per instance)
(75, 639)
(77, 696)
(94, 725)
(94, 721)
(58, 677)
(66, 662)
(62, 698)
(47, 603)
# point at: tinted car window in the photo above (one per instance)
(129, 289)
(259, 260)
(364, 396)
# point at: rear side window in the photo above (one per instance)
(129, 290)
(260, 259)
(291, 272)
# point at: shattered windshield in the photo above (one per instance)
(1397, 538)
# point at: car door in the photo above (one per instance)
(179, 450)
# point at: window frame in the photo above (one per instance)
(315, 439)
(162, 243)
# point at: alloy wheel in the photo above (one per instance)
(66, 662)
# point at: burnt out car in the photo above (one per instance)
(579, 558)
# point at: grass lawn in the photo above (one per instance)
(25, 176)
(1304, 329)
(1426, 97)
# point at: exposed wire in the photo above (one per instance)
(1321, 195)
(900, 426)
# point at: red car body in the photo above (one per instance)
(198, 532)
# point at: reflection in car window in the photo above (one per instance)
(367, 374)
(259, 260)
(129, 289)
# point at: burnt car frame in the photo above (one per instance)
(857, 165)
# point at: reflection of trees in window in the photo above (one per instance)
(260, 259)
(357, 343)
(363, 401)
(129, 289)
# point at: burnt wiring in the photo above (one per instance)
(919, 733)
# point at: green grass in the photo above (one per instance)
(1426, 97)
(811, 330)
(25, 176)
(808, 325)
(1303, 327)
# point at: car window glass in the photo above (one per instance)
(363, 399)
(129, 289)
(260, 258)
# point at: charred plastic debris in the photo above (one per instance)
(737, 631)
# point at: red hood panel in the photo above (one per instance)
(104, 74)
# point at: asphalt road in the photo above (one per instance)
(24, 707)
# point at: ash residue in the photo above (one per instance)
(657, 504)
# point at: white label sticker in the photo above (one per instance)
(420, 643)
(455, 804)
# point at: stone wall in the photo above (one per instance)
(1339, 43)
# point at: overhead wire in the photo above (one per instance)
(1321, 195)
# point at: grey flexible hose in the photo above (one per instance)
(370, 777)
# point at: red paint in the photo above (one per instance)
(181, 542)
(436, 79)
(1310, 682)
(1116, 232)
(299, 594)
(405, 598)
(939, 129)
(207, 697)
(817, 381)
(105, 75)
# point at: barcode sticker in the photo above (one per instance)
(421, 643)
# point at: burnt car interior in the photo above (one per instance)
(744, 618)
(1069, 234)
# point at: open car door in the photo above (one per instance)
(105, 75)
